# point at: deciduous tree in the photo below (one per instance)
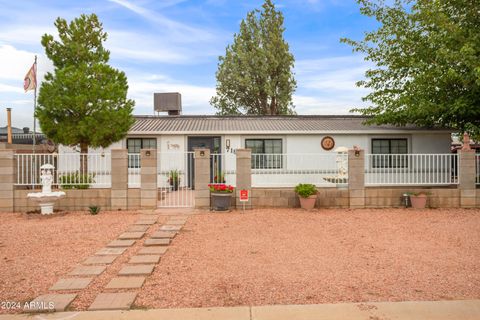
(427, 63)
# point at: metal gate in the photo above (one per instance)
(175, 179)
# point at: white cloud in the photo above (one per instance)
(195, 98)
(146, 48)
(327, 85)
(323, 105)
(25, 34)
(179, 31)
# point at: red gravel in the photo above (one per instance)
(288, 256)
(35, 250)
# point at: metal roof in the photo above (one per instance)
(261, 124)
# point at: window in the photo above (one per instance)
(134, 145)
(267, 153)
(390, 148)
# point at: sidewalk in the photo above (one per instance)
(411, 310)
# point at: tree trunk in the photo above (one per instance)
(273, 106)
(83, 159)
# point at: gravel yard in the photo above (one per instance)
(288, 256)
(35, 250)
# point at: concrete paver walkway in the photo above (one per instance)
(409, 310)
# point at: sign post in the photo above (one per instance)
(243, 198)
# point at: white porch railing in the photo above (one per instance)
(288, 170)
(411, 169)
(175, 179)
(477, 166)
(134, 170)
(223, 168)
(67, 173)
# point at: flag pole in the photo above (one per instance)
(34, 140)
(35, 108)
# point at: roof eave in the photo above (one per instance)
(375, 131)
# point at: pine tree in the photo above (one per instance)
(84, 101)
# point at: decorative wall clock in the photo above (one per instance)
(328, 143)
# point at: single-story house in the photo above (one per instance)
(279, 134)
(292, 135)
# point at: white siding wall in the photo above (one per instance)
(417, 143)
(431, 143)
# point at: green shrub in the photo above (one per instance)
(305, 190)
(76, 180)
(94, 210)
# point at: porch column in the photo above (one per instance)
(244, 176)
(148, 179)
(7, 179)
(202, 178)
(466, 177)
(119, 173)
(356, 178)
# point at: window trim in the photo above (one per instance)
(390, 159)
(137, 165)
(278, 164)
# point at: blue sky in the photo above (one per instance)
(173, 45)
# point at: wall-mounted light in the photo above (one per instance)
(227, 144)
(357, 151)
(147, 153)
(202, 153)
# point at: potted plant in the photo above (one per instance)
(174, 179)
(307, 194)
(418, 199)
(221, 196)
(219, 177)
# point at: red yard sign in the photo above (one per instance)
(244, 195)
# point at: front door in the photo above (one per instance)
(211, 143)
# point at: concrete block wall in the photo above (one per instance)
(202, 178)
(356, 178)
(119, 174)
(75, 200)
(381, 197)
(7, 180)
(467, 174)
(244, 177)
(133, 201)
(148, 179)
(287, 198)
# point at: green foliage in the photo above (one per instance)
(94, 210)
(416, 194)
(255, 75)
(76, 180)
(427, 63)
(174, 176)
(84, 101)
(305, 190)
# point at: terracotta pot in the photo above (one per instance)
(418, 202)
(308, 203)
(221, 201)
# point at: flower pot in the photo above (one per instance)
(174, 185)
(221, 201)
(418, 202)
(308, 203)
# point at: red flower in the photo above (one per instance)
(220, 188)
